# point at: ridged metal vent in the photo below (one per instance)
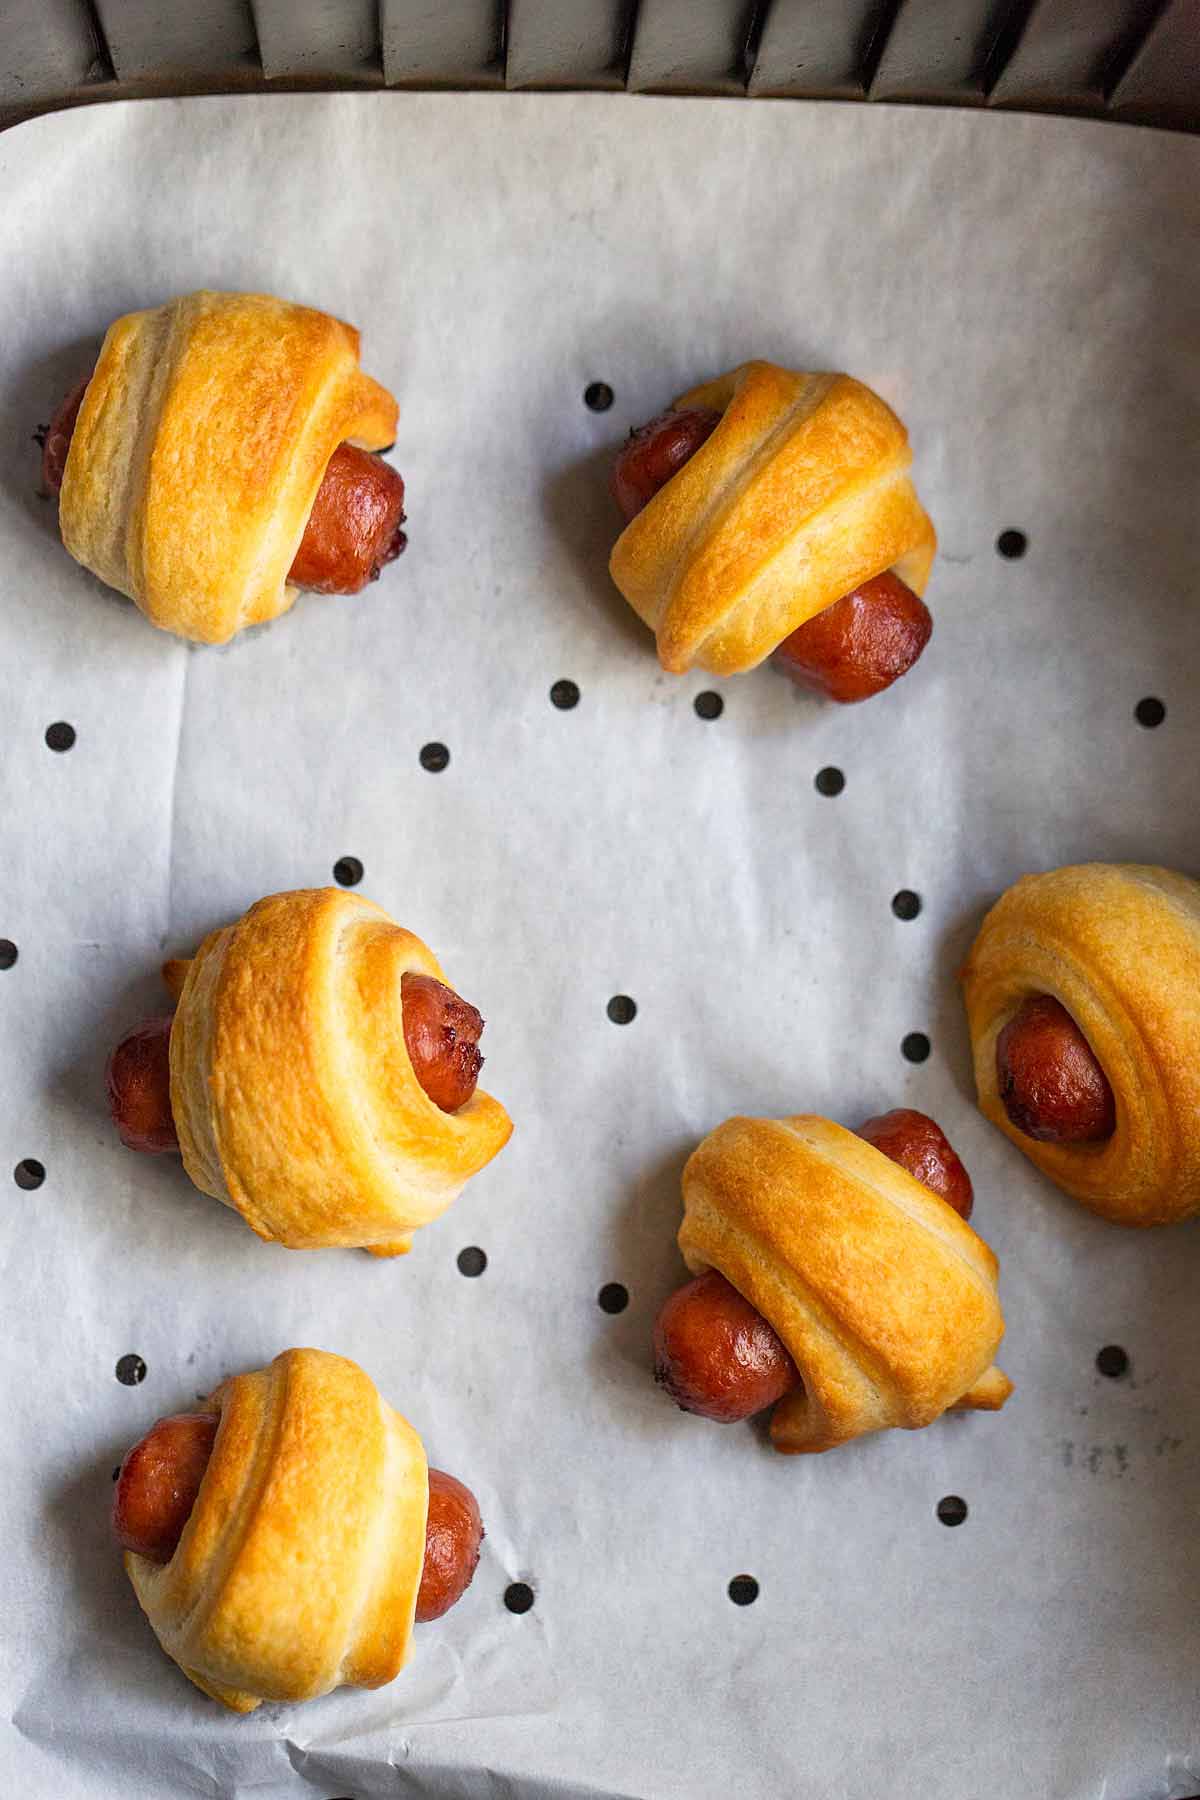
(1132, 60)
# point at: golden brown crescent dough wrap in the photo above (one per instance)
(800, 495)
(885, 1297)
(292, 1090)
(199, 449)
(299, 1568)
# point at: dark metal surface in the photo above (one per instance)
(443, 43)
(1131, 60)
(332, 38)
(690, 46)
(821, 48)
(46, 47)
(581, 45)
(1073, 52)
(210, 38)
(948, 50)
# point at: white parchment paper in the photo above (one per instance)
(1024, 292)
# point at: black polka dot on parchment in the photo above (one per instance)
(472, 1260)
(906, 904)
(708, 705)
(347, 871)
(518, 1596)
(598, 396)
(915, 1047)
(564, 695)
(1113, 1361)
(952, 1510)
(29, 1173)
(130, 1369)
(621, 1009)
(434, 757)
(1150, 712)
(743, 1590)
(613, 1297)
(60, 735)
(829, 782)
(1012, 545)
(8, 953)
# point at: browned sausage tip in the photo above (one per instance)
(861, 644)
(158, 1484)
(58, 437)
(441, 1034)
(353, 530)
(716, 1355)
(1051, 1085)
(453, 1536)
(919, 1144)
(655, 452)
(139, 1088)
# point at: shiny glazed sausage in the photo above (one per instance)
(861, 644)
(1051, 1085)
(453, 1535)
(353, 530)
(716, 1355)
(919, 1145)
(160, 1479)
(655, 452)
(441, 1034)
(139, 1088)
(158, 1483)
(57, 440)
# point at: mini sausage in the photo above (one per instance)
(919, 1144)
(353, 530)
(159, 1481)
(441, 1034)
(861, 644)
(138, 1078)
(655, 452)
(57, 440)
(453, 1536)
(716, 1355)
(852, 650)
(1051, 1085)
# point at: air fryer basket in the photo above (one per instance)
(1128, 60)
